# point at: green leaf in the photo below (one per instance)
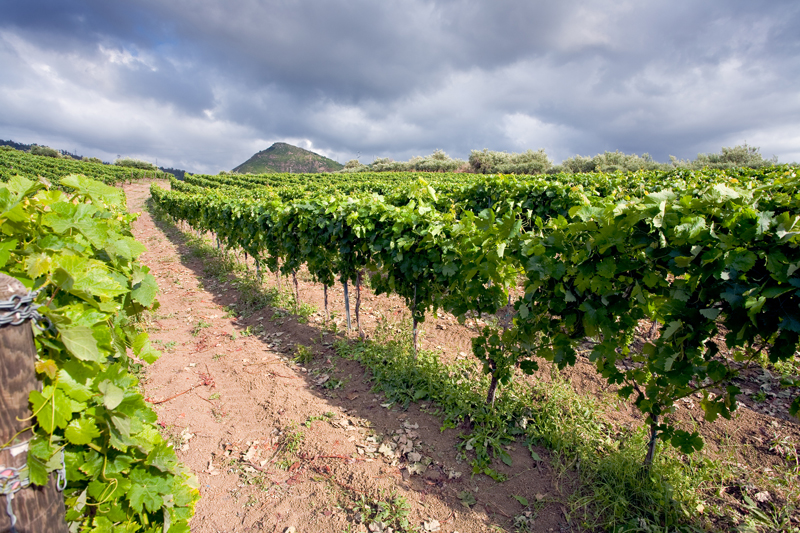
(672, 327)
(522, 501)
(81, 343)
(53, 409)
(162, 457)
(37, 471)
(687, 442)
(99, 192)
(5, 251)
(145, 289)
(142, 348)
(81, 431)
(467, 498)
(112, 395)
(740, 260)
(145, 491)
(505, 457)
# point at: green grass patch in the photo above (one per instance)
(614, 492)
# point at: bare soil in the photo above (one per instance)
(278, 445)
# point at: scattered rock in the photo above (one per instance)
(433, 525)
(762, 497)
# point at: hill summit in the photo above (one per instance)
(283, 157)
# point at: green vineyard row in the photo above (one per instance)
(699, 254)
(77, 250)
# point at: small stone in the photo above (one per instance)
(762, 497)
(433, 525)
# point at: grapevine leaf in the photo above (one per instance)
(81, 343)
(5, 251)
(69, 377)
(48, 367)
(145, 491)
(710, 314)
(687, 442)
(37, 471)
(145, 288)
(81, 431)
(112, 395)
(673, 326)
(162, 457)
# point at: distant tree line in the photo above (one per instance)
(178, 173)
(537, 162)
(17, 146)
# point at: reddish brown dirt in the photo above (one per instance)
(245, 399)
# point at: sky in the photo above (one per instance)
(204, 84)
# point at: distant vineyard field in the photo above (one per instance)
(18, 163)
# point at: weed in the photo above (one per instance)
(291, 440)
(379, 514)
(218, 356)
(251, 501)
(303, 355)
(165, 346)
(767, 519)
(314, 418)
(288, 446)
(200, 326)
(333, 384)
(214, 396)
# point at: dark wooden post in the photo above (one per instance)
(37, 509)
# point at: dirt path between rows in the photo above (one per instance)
(283, 447)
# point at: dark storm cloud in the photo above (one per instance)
(400, 79)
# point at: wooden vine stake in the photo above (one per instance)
(37, 509)
(325, 292)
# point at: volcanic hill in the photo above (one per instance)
(283, 157)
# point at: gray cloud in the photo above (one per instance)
(204, 84)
